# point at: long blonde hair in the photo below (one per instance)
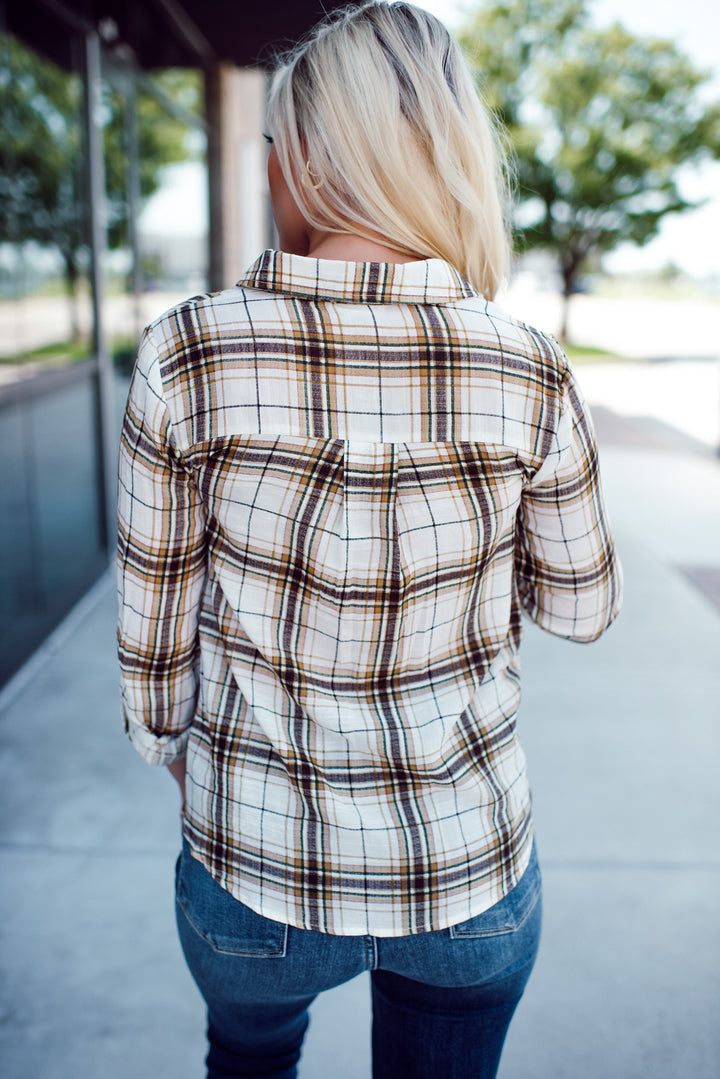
(380, 132)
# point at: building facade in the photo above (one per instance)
(131, 175)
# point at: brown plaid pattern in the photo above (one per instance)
(339, 485)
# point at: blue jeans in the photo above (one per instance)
(442, 1001)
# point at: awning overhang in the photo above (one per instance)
(167, 33)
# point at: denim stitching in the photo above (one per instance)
(457, 933)
(279, 951)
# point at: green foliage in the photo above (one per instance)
(39, 151)
(599, 122)
(161, 140)
(41, 176)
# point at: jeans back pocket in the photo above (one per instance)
(510, 913)
(222, 921)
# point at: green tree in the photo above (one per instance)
(162, 139)
(41, 176)
(599, 121)
(40, 156)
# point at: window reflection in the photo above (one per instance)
(173, 223)
(155, 177)
(53, 542)
(45, 314)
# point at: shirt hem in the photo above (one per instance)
(371, 925)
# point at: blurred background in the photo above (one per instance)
(132, 175)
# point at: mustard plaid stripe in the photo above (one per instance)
(339, 485)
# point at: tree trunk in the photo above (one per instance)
(565, 315)
(71, 279)
(570, 262)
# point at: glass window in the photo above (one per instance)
(53, 542)
(45, 310)
(156, 183)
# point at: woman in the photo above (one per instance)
(340, 483)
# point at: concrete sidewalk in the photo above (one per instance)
(623, 744)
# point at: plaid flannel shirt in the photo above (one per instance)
(340, 483)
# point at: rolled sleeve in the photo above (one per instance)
(161, 572)
(569, 577)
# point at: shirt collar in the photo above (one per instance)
(429, 282)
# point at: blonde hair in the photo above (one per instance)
(380, 132)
